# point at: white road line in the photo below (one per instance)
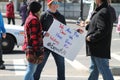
(19, 66)
(54, 76)
(116, 39)
(6, 60)
(117, 57)
(77, 65)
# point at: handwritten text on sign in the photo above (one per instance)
(64, 40)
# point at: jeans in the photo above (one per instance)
(59, 60)
(1, 61)
(100, 65)
(31, 68)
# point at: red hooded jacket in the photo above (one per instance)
(10, 10)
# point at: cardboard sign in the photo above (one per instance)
(118, 25)
(64, 40)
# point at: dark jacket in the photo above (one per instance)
(23, 11)
(47, 19)
(113, 13)
(100, 31)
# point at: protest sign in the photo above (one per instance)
(118, 25)
(64, 40)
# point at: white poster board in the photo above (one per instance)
(64, 40)
(118, 25)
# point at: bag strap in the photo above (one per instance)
(51, 15)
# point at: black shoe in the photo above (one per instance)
(2, 67)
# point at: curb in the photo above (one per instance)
(17, 16)
(71, 21)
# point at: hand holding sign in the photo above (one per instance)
(64, 40)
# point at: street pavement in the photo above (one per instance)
(75, 70)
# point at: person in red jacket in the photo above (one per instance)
(33, 39)
(10, 12)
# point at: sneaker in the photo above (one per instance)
(2, 67)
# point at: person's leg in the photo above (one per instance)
(31, 68)
(103, 67)
(1, 61)
(13, 21)
(94, 73)
(60, 63)
(22, 23)
(9, 20)
(40, 67)
(2, 66)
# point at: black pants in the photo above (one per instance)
(22, 23)
(13, 20)
(1, 61)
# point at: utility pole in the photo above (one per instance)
(81, 9)
(43, 5)
(64, 6)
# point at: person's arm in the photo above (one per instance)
(2, 26)
(113, 13)
(64, 21)
(102, 27)
(33, 34)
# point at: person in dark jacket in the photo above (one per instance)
(23, 12)
(46, 21)
(98, 41)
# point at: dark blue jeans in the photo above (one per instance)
(60, 63)
(100, 65)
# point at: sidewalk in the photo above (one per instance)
(17, 16)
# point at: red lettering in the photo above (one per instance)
(54, 39)
(62, 32)
(61, 26)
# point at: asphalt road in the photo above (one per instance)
(75, 70)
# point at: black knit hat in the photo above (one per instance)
(34, 7)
